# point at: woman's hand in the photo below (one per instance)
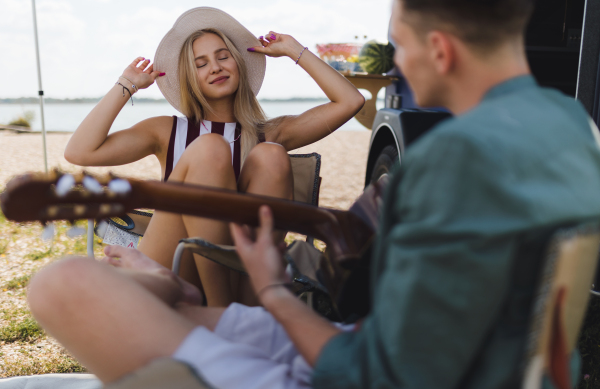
(278, 45)
(140, 74)
(262, 259)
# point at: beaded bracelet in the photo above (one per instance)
(132, 84)
(298, 60)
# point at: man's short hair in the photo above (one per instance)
(481, 23)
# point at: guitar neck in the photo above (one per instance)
(34, 197)
(342, 231)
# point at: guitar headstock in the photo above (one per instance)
(60, 196)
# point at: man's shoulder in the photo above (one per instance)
(540, 118)
(531, 155)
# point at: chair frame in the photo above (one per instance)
(187, 243)
(554, 324)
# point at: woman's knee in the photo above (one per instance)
(270, 159)
(208, 150)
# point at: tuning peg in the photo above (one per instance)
(64, 185)
(49, 231)
(91, 184)
(54, 174)
(75, 231)
(119, 186)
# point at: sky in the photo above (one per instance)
(86, 44)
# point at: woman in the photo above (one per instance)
(210, 68)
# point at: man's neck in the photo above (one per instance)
(475, 78)
(222, 111)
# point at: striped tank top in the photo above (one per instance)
(185, 131)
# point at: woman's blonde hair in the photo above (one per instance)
(246, 109)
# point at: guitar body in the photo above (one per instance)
(349, 283)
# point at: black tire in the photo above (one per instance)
(384, 163)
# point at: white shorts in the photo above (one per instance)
(248, 349)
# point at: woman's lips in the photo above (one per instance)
(220, 80)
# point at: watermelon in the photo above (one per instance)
(376, 57)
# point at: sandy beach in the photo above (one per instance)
(343, 164)
(23, 252)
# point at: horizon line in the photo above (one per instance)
(50, 100)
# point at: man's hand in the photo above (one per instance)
(262, 259)
(131, 259)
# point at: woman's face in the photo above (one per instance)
(217, 71)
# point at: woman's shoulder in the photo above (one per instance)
(159, 126)
(158, 121)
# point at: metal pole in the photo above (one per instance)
(40, 91)
(90, 239)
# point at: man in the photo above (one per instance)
(452, 283)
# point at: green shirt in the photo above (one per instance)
(460, 243)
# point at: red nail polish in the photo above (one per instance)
(162, 74)
(273, 36)
(251, 49)
(261, 37)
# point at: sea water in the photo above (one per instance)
(68, 116)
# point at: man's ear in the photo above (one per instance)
(442, 51)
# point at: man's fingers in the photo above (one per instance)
(282, 247)
(240, 238)
(266, 222)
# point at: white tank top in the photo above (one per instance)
(185, 132)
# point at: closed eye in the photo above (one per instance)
(200, 66)
(224, 58)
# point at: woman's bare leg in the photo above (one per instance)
(267, 171)
(160, 240)
(109, 322)
(206, 161)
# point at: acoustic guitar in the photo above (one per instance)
(58, 196)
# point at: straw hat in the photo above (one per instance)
(166, 58)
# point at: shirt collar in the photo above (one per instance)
(510, 86)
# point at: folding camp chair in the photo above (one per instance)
(560, 305)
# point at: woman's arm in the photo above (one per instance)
(297, 131)
(91, 145)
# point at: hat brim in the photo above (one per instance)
(166, 58)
